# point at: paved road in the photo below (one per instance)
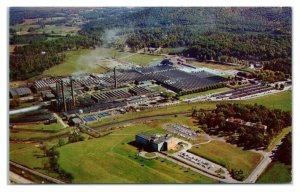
(262, 165)
(15, 178)
(35, 173)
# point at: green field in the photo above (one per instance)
(53, 127)
(36, 136)
(282, 100)
(276, 173)
(111, 159)
(223, 89)
(98, 60)
(73, 64)
(228, 156)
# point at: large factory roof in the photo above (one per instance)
(20, 92)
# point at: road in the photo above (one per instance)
(15, 178)
(60, 120)
(262, 165)
(36, 173)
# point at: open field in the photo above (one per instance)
(228, 156)
(53, 127)
(282, 100)
(98, 60)
(27, 135)
(73, 65)
(32, 156)
(111, 159)
(223, 89)
(214, 66)
(276, 173)
(22, 29)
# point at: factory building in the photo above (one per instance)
(19, 92)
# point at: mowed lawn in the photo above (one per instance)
(111, 159)
(228, 156)
(276, 173)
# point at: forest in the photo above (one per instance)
(214, 122)
(237, 35)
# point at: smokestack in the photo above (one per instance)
(72, 91)
(57, 90)
(115, 78)
(63, 95)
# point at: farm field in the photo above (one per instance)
(276, 173)
(111, 159)
(228, 156)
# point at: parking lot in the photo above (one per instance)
(201, 163)
(182, 131)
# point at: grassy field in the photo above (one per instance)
(282, 100)
(54, 126)
(278, 138)
(141, 59)
(26, 135)
(31, 156)
(276, 173)
(214, 66)
(111, 159)
(73, 64)
(205, 93)
(229, 156)
(97, 61)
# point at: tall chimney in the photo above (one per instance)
(72, 91)
(57, 90)
(63, 95)
(115, 78)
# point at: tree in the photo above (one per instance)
(61, 142)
